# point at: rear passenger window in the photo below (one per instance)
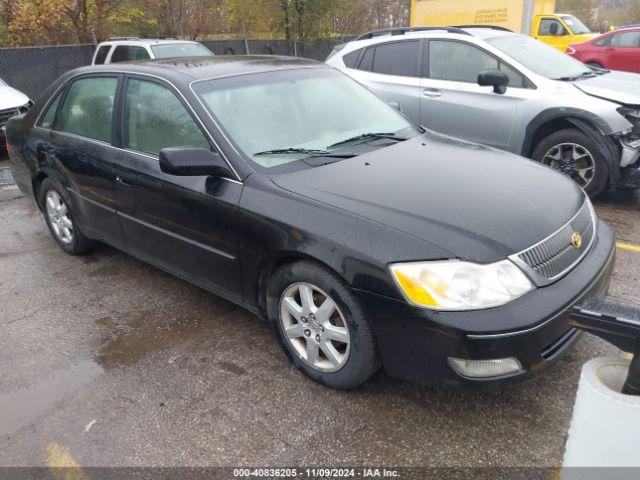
(351, 59)
(627, 39)
(127, 53)
(88, 108)
(398, 58)
(101, 56)
(154, 119)
(50, 116)
(367, 60)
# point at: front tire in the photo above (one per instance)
(573, 153)
(321, 326)
(56, 207)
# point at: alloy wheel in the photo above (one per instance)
(314, 327)
(573, 160)
(59, 218)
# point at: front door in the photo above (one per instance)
(186, 225)
(452, 102)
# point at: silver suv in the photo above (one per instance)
(508, 91)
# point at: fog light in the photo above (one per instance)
(485, 368)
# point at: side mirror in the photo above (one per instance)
(553, 28)
(494, 78)
(186, 161)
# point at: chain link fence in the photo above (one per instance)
(32, 69)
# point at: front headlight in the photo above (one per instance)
(458, 285)
(25, 108)
(632, 114)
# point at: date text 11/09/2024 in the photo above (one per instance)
(316, 472)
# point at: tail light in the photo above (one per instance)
(6, 141)
(570, 50)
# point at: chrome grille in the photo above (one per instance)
(556, 255)
(5, 115)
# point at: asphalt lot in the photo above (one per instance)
(107, 361)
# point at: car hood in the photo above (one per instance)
(620, 87)
(477, 203)
(11, 98)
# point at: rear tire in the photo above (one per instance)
(343, 333)
(573, 153)
(56, 207)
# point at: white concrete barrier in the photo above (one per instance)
(605, 428)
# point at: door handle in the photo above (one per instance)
(121, 181)
(431, 93)
(139, 181)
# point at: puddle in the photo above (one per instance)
(145, 333)
(19, 408)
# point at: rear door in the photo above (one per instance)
(80, 146)
(186, 225)
(452, 102)
(624, 51)
(392, 70)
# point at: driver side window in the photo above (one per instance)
(460, 62)
(551, 27)
(154, 119)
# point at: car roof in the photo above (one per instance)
(143, 41)
(200, 68)
(480, 32)
(629, 28)
(485, 33)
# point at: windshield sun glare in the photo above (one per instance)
(280, 117)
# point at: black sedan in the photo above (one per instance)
(288, 188)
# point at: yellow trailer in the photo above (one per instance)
(532, 17)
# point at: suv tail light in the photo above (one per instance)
(570, 50)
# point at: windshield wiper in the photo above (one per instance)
(365, 136)
(576, 77)
(284, 151)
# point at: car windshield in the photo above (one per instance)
(576, 26)
(280, 117)
(174, 50)
(539, 57)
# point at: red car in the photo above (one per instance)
(616, 50)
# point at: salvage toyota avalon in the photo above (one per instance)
(288, 188)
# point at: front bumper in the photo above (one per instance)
(414, 344)
(630, 153)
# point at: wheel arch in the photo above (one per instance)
(36, 182)
(276, 261)
(553, 120)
